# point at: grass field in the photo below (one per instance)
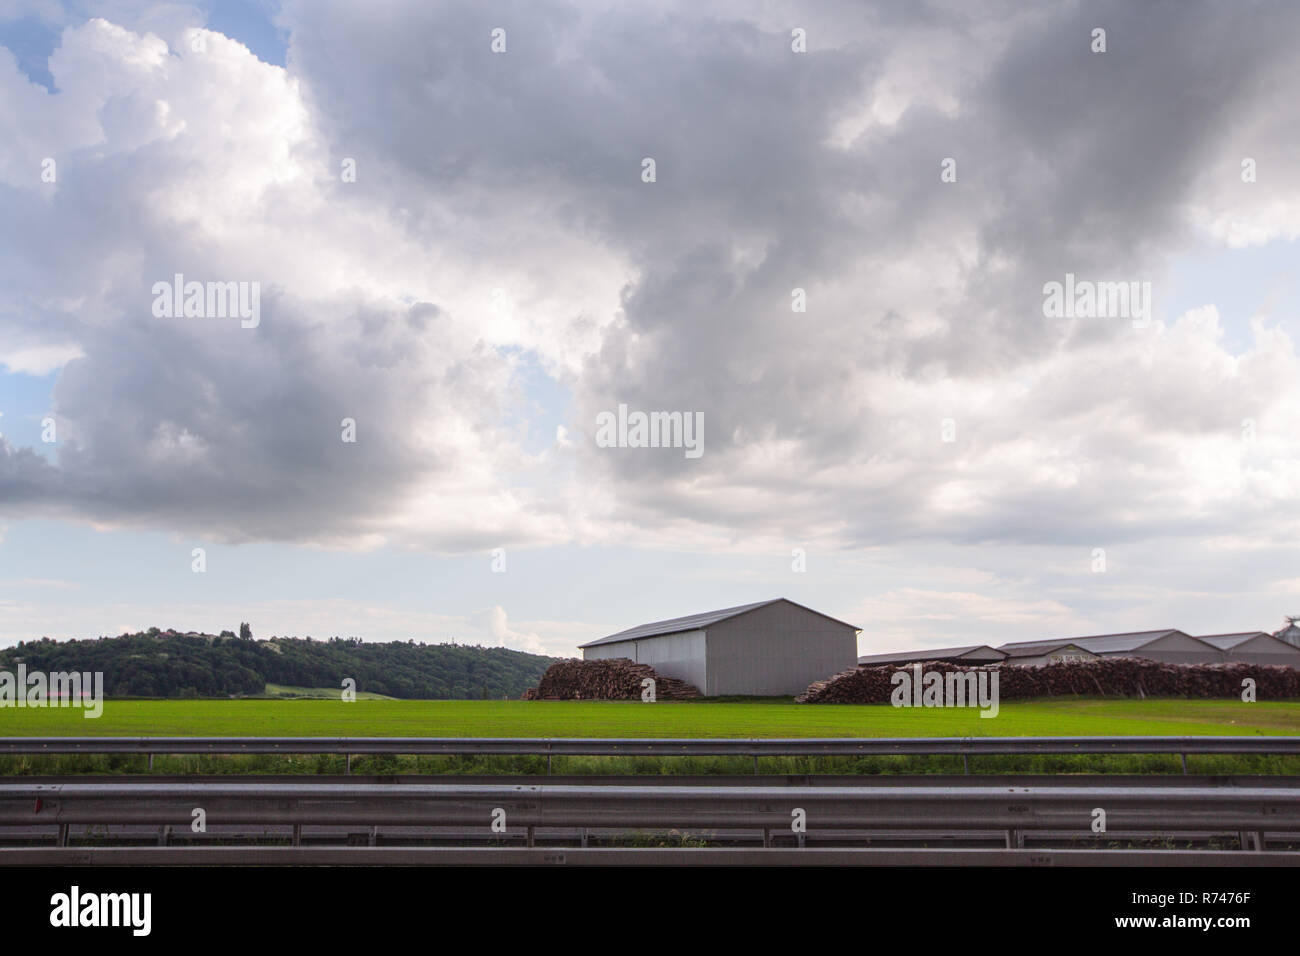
(717, 718)
(284, 691)
(750, 718)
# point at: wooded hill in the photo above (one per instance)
(158, 663)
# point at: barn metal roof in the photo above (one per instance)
(1038, 648)
(694, 622)
(1226, 642)
(932, 654)
(1101, 643)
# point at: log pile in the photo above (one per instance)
(1105, 677)
(616, 678)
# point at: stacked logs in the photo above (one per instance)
(616, 678)
(1104, 677)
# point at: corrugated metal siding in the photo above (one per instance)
(776, 650)
(672, 655)
(606, 651)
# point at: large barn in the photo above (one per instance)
(772, 648)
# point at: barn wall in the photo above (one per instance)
(1038, 661)
(979, 659)
(776, 650)
(1261, 650)
(1174, 649)
(1054, 657)
(1289, 635)
(672, 655)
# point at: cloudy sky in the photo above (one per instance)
(445, 209)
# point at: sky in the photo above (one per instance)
(839, 263)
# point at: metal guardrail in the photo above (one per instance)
(1133, 807)
(1011, 809)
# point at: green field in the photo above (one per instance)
(284, 691)
(472, 718)
(707, 718)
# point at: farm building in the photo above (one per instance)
(973, 655)
(1291, 633)
(1255, 647)
(1169, 645)
(770, 648)
(1038, 653)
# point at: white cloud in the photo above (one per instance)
(498, 208)
(40, 360)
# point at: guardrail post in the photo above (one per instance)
(151, 763)
(756, 764)
(548, 767)
(63, 834)
(582, 835)
(767, 838)
(374, 836)
(349, 766)
(530, 835)
(1184, 756)
(164, 835)
(1245, 837)
(297, 834)
(965, 763)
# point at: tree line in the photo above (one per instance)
(157, 663)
